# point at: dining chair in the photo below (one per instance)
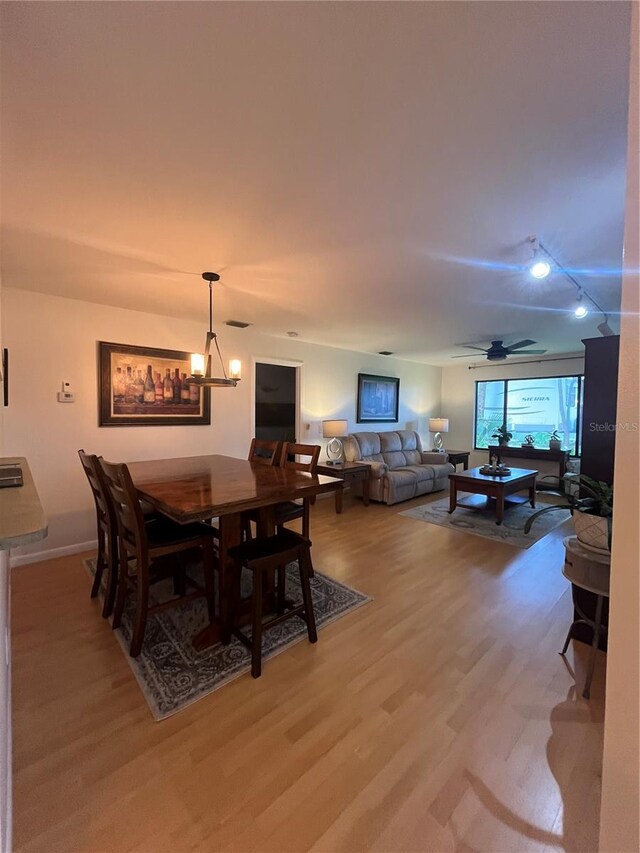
(292, 456)
(265, 452)
(264, 557)
(161, 549)
(107, 529)
(261, 452)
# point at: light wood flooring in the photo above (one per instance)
(438, 717)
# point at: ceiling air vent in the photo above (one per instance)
(385, 352)
(237, 324)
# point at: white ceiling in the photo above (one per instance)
(331, 159)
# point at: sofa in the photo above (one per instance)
(400, 468)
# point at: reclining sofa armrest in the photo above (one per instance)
(378, 469)
(434, 458)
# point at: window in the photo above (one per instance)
(530, 407)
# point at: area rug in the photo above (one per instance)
(173, 675)
(482, 522)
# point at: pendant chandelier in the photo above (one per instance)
(201, 364)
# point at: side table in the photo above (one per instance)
(348, 472)
(589, 571)
(458, 456)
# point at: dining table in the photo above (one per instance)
(199, 488)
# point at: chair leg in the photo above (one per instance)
(256, 626)
(142, 610)
(233, 604)
(121, 595)
(208, 558)
(305, 518)
(101, 564)
(304, 563)
(112, 580)
(281, 579)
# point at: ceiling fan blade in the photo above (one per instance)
(468, 346)
(469, 355)
(519, 345)
(529, 352)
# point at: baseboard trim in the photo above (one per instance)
(52, 553)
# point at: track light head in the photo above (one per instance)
(539, 267)
(581, 310)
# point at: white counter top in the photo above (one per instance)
(22, 520)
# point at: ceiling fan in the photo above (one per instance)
(498, 352)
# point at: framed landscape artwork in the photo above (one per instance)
(144, 386)
(378, 398)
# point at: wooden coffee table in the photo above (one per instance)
(500, 490)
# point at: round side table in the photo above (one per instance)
(589, 571)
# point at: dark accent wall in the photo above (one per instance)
(599, 409)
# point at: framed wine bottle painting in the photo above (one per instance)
(145, 386)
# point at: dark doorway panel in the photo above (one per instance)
(275, 403)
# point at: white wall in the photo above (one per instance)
(52, 339)
(619, 815)
(458, 398)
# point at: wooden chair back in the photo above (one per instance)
(310, 451)
(265, 452)
(127, 509)
(104, 508)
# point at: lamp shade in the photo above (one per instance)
(197, 364)
(334, 429)
(438, 424)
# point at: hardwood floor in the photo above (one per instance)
(438, 717)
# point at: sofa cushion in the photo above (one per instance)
(422, 472)
(409, 440)
(400, 448)
(389, 441)
(369, 443)
(394, 459)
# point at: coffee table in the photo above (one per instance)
(499, 491)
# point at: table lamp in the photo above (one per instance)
(438, 425)
(334, 430)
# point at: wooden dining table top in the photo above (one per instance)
(194, 488)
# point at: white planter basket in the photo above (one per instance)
(592, 531)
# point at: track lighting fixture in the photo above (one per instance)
(543, 262)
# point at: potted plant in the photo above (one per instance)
(554, 441)
(592, 513)
(503, 435)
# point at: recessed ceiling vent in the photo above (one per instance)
(237, 324)
(385, 352)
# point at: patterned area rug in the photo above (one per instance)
(172, 674)
(482, 522)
